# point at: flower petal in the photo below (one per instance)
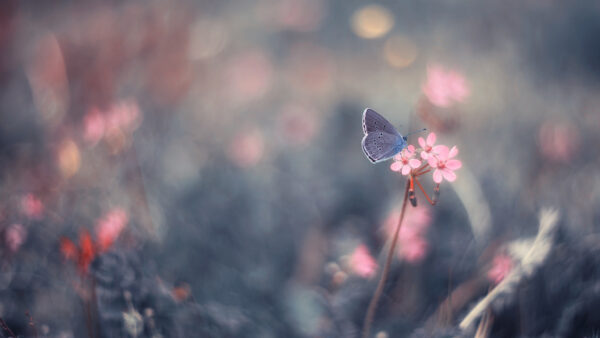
(422, 142)
(424, 155)
(437, 176)
(405, 170)
(442, 152)
(396, 166)
(414, 163)
(449, 175)
(453, 164)
(431, 139)
(398, 157)
(411, 149)
(453, 152)
(433, 161)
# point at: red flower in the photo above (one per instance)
(107, 230)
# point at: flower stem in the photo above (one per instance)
(386, 269)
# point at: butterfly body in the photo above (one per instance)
(381, 141)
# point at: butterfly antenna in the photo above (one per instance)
(413, 132)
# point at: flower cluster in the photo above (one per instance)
(438, 158)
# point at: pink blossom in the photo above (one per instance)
(362, 263)
(404, 162)
(444, 164)
(15, 236)
(428, 146)
(32, 207)
(445, 87)
(501, 267)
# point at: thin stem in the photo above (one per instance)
(423, 172)
(386, 269)
(424, 193)
(6, 328)
(421, 168)
(87, 303)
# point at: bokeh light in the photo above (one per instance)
(400, 51)
(372, 21)
(69, 158)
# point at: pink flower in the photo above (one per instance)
(445, 87)
(501, 266)
(405, 162)
(444, 164)
(428, 146)
(32, 207)
(362, 263)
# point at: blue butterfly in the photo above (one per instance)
(381, 141)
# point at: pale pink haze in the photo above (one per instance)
(302, 16)
(250, 76)
(444, 87)
(444, 164)
(412, 241)
(428, 146)
(404, 162)
(362, 263)
(123, 115)
(501, 267)
(15, 236)
(558, 141)
(247, 148)
(298, 123)
(109, 227)
(93, 126)
(32, 206)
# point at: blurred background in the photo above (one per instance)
(178, 168)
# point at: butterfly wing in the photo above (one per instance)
(380, 146)
(373, 122)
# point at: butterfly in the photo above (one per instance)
(381, 141)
